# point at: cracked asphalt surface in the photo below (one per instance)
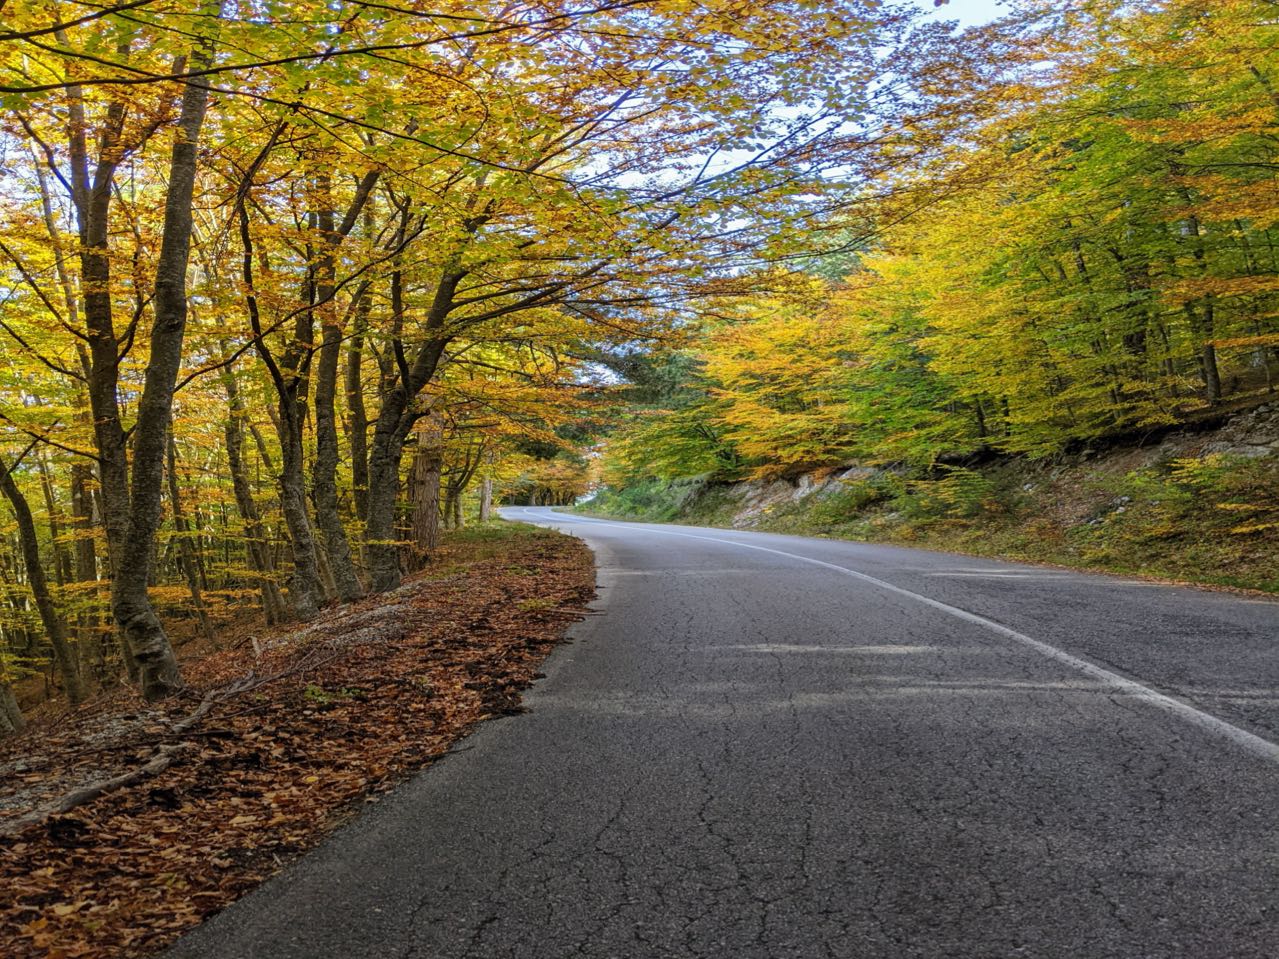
(747, 755)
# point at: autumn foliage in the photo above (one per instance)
(1082, 246)
(288, 285)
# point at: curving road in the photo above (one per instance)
(769, 746)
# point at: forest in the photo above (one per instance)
(289, 287)
(1094, 257)
(285, 283)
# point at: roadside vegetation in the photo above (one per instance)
(1209, 520)
(289, 288)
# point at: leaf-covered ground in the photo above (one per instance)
(291, 730)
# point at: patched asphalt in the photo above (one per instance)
(744, 753)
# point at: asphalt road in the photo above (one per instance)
(768, 746)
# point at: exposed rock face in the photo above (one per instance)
(1254, 433)
(759, 497)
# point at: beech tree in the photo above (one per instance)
(246, 251)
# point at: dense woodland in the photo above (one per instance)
(285, 282)
(1095, 257)
(288, 286)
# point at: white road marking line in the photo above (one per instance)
(834, 650)
(1262, 748)
(1003, 574)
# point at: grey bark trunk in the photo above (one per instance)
(324, 471)
(93, 207)
(186, 548)
(54, 627)
(11, 721)
(306, 592)
(92, 642)
(427, 464)
(259, 554)
(324, 476)
(134, 614)
(357, 417)
(389, 433)
(486, 498)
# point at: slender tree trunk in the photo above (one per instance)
(255, 536)
(289, 377)
(61, 558)
(93, 206)
(389, 434)
(91, 640)
(306, 592)
(1212, 374)
(186, 548)
(326, 570)
(357, 417)
(427, 463)
(1203, 323)
(486, 498)
(129, 600)
(324, 471)
(324, 474)
(54, 627)
(11, 721)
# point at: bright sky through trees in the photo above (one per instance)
(967, 12)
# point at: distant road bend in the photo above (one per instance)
(768, 746)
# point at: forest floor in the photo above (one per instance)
(277, 740)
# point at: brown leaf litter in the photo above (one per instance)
(272, 746)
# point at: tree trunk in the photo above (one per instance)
(486, 498)
(93, 205)
(134, 614)
(1204, 323)
(427, 463)
(1212, 375)
(289, 379)
(324, 470)
(11, 720)
(254, 535)
(92, 643)
(357, 417)
(54, 627)
(186, 548)
(306, 592)
(389, 433)
(61, 558)
(394, 420)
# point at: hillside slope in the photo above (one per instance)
(1192, 506)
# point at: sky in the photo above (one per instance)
(967, 12)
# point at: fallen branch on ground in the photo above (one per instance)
(164, 758)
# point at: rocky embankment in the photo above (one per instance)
(1198, 504)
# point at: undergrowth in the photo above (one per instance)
(1211, 520)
